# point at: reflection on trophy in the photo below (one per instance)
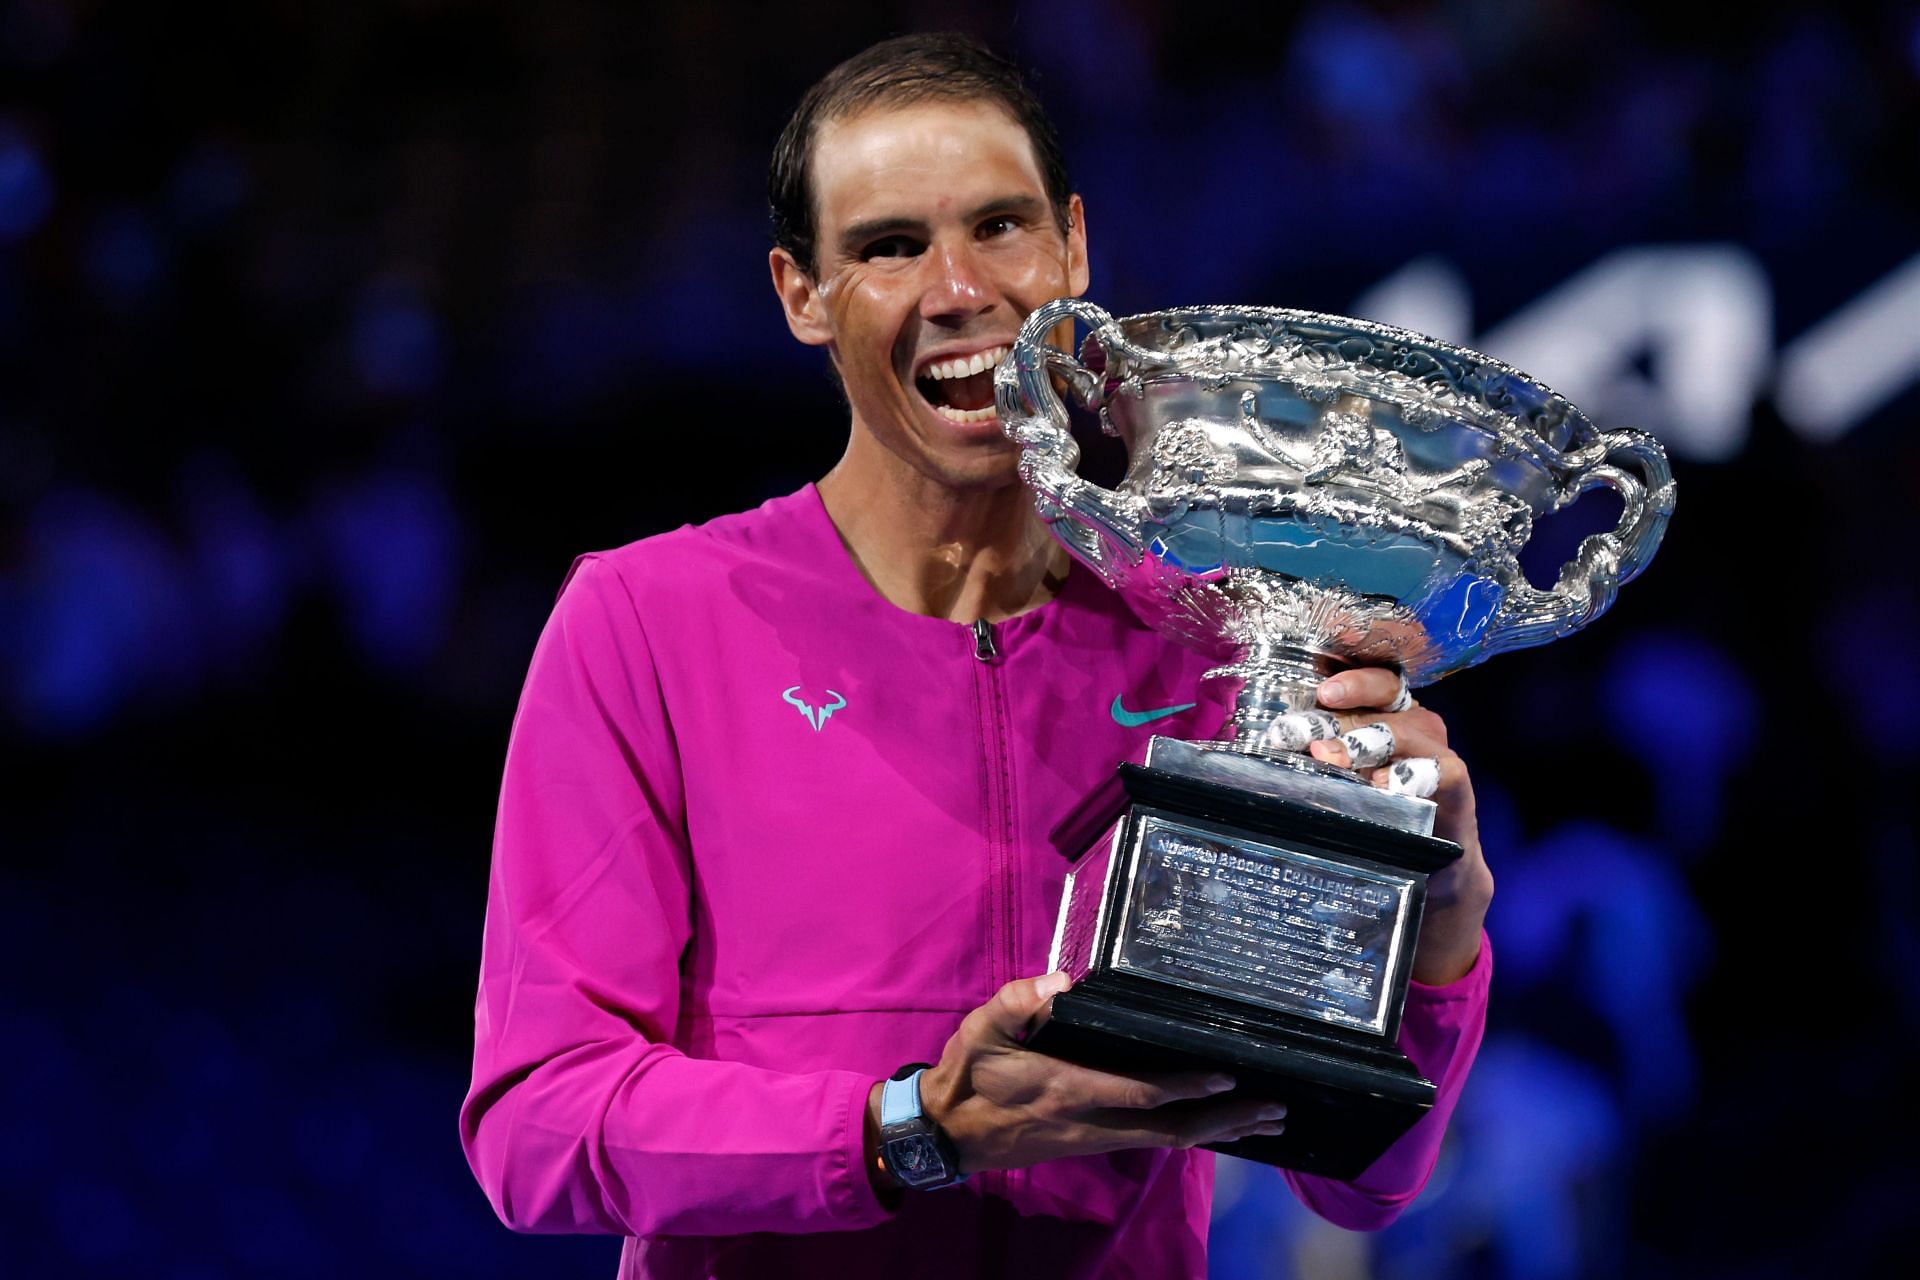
(1304, 493)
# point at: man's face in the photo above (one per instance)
(935, 239)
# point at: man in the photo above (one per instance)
(774, 814)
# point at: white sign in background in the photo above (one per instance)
(1678, 340)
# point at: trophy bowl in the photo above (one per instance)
(1303, 493)
(1306, 492)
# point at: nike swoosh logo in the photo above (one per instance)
(1134, 719)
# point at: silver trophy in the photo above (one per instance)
(1304, 493)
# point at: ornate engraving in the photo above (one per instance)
(1184, 458)
(1310, 490)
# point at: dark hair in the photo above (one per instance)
(898, 72)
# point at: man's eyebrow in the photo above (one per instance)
(874, 228)
(1022, 206)
(862, 233)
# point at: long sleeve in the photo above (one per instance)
(1441, 1032)
(582, 1116)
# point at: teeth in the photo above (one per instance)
(966, 417)
(966, 367)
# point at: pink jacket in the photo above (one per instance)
(764, 837)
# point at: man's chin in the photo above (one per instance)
(983, 475)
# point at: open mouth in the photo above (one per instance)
(961, 389)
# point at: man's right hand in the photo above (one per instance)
(1005, 1106)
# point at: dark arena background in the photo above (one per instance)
(329, 333)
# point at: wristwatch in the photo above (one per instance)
(914, 1150)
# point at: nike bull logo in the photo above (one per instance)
(815, 716)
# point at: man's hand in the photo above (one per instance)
(1006, 1107)
(1457, 897)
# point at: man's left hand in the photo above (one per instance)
(1457, 897)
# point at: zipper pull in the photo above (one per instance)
(983, 646)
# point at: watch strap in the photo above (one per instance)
(900, 1098)
(914, 1150)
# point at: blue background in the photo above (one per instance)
(330, 333)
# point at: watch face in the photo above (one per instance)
(915, 1158)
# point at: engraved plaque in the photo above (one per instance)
(1220, 928)
(1285, 930)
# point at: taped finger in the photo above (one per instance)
(1403, 700)
(1292, 732)
(1414, 776)
(1369, 745)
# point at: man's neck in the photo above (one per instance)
(959, 555)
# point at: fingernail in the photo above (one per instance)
(1051, 985)
(1220, 1084)
(1332, 750)
(1331, 690)
(1275, 1112)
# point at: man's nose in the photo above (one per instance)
(958, 290)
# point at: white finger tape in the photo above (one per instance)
(1414, 776)
(1292, 732)
(1370, 745)
(1403, 699)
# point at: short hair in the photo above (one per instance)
(900, 72)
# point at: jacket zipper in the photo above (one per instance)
(990, 690)
(983, 645)
(1002, 863)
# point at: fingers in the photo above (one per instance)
(1370, 745)
(1415, 776)
(1441, 777)
(1019, 1006)
(1403, 700)
(1297, 731)
(1418, 732)
(994, 1031)
(1365, 687)
(1227, 1120)
(1005, 1106)
(1412, 747)
(1411, 733)
(1371, 738)
(1270, 1122)
(1230, 1122)
(1093, 1090)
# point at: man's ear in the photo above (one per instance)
(799, 299)
(1079, 275)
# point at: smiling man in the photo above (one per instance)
(930, 231)
(755, 983)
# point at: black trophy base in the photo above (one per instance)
(1349, 1094)
(1343, 1110)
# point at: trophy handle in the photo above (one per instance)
(1636, 468)
(1102, 528)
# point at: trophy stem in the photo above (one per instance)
(1273, 679)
